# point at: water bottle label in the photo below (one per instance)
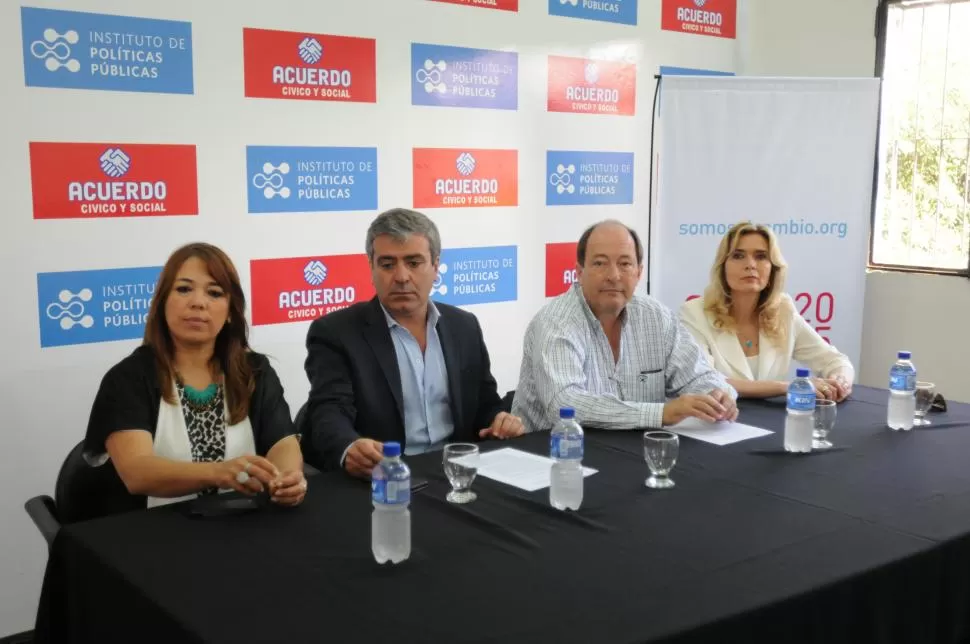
(801, 402)
(902, 381)
(391, 492)
(565, 448)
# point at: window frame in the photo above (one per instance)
(881, 28)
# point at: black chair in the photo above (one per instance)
(507, 401)
(298, 423)
(80, 493)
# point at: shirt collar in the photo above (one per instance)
(433, 316)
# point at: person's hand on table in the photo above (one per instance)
(712, 407)
(362, 456)
(505, 425)
(727, 401)
(837, 389)
(247, 474)
(288, 489)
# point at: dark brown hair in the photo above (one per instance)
(232, 343)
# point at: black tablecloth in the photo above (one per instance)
(870, 543)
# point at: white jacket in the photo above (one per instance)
(803, 344)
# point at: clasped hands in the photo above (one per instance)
(284, 488)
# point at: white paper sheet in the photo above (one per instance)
(721, 433)
(514, 467)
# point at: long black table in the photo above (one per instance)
(867, 543)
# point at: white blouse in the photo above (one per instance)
(172, 442)
(802, 344)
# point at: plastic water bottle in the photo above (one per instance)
(902, 393)
(391, 495)
(800, 420)
(566, 451)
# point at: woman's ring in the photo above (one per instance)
(242, 477)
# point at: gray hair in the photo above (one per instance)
(400, 223)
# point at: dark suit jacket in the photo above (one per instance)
(355, 384)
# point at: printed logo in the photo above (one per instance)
(503, 5)
(316, 67)
(705, 17)
(584, 178)
(591, 86)
(80, 307)
(619, 11)
(476, 275)
(75, 50)
(560, 268)
(462, 77)
(311, 50)
(83, 180)
(311, 179)
(297, 289)
(456, 178)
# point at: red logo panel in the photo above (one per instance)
(708, 17)
(591, 86)
(504, 5)
(465, 178)
(305, 66)
(298, 289)
(97, 180)
(560, 268)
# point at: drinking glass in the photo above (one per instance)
(660, 449)
(925, 393)
(461, 466)
(825, 412)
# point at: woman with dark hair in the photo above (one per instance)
(194, 410)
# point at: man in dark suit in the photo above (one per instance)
(399, 367)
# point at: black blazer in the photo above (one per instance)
(130, 397)
(355, 383)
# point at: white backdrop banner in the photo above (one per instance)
(794, 154)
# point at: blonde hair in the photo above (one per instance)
(717, 295)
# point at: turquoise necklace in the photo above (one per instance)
(195, 396)
(200, 396)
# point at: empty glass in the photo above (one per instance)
(825, 412)
(925, 393)
(660, 449)
(461, 466)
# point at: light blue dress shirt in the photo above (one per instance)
(424, 385)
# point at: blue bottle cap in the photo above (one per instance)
(802, 373)
(567, 412)
(392, 449)
(904, 355)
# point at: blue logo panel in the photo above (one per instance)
(75, 50)
(311, 179)
(477, 275)
(80, 307)
(620, 11)
(577, 178)
(462, 77)
(690, 71)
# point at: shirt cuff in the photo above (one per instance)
(652, 415)
(343, 457)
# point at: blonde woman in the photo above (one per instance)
(750, 327)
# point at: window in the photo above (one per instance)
(921, 218)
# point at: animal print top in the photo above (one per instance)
(206, 425)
